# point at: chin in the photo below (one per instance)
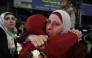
(11, 28)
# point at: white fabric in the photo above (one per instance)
(11, 34)
(66, 20)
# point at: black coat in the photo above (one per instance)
(4, 51)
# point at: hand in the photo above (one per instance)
(38, 41)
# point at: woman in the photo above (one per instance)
(70, 8)
(8, 34)
(57, 29)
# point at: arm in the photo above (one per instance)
(36, 40)
(56, 46)
(22, 37)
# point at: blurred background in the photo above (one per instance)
(24, 8)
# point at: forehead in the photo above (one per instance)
(65, 0)
(9, 15)
(54, 17)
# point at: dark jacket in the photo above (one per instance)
(4, 51)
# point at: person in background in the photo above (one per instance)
(17, 25)
(21, 27)
(8, 35)
(70, 7)
(88, 49)
(58, 24)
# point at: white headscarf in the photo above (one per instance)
(11, 34)
(66, 20)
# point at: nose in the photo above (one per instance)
(49, 26)
(11, 20)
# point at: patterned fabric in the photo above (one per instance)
(11, 34)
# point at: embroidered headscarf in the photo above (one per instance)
(65, 18)
(11, 34)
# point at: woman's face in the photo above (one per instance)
(65, 2)
(9, 21)
(54, 25)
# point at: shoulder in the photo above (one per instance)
(1, 31)
(70, 8)
(71, 34)
(0, 28)
(78, 45)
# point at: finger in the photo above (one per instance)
(39, 42)
(42, 47)
(44, 37)
(35, 44)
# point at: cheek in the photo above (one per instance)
(65, 3)
(14, 22)
(58, 30)
(46, 27)
(6, 23)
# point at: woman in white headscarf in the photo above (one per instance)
(8, 34)
(59, 40)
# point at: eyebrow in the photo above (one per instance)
(54, 21)
(57, 22)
